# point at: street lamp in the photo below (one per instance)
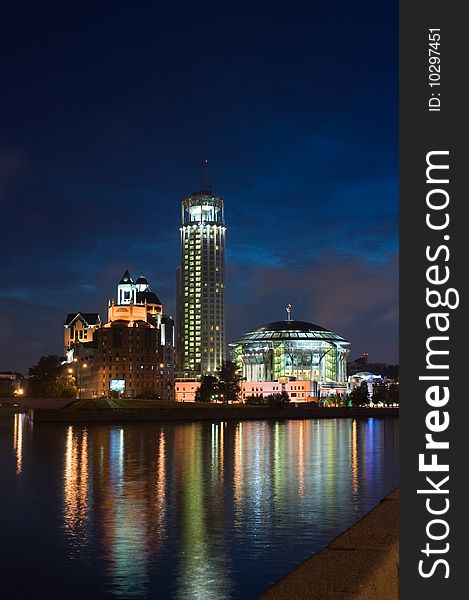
(78, 378)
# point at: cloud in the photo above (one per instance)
(29, 331)
(347, 295)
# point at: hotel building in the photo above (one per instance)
(201, 285)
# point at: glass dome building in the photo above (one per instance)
(293, 350)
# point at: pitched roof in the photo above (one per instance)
(89, 318)
(142, 279)
(126, 278)
(150, 297)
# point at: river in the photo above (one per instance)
(205, 511)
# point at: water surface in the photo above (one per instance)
(181, 510)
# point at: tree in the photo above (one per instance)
(255, 400)
(208, 389)
(50, 379)
(379, 393)
(278, 400)
(359, 395)
(392, 396)
(229, 386)
(336, 400)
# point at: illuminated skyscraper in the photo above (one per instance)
(201, 285)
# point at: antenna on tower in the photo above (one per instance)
(288, 308)
(205, 187)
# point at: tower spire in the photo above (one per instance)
(288, 308)
(205, 185)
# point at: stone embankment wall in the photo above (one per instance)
(211, 413)
(361, 564)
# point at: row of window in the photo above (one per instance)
(78, 334)
(123, 376)
(292, 394)
(276, 388)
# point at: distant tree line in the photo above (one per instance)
(278, 400)
(381, 394)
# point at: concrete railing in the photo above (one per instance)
(361, 564)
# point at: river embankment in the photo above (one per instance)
(362, 563)
(211, 413)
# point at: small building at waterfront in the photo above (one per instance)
(11, 382)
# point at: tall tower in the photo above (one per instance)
(201, 284)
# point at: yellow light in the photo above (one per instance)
(20, 391)
(84, 365)
(70, 370)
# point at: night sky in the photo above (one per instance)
(107, 114)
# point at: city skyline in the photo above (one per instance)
(100, 146)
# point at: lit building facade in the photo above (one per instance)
(79, 328)
(11, 381)
(133, 353)
(304, 360)
(201, 285)
(298, 391)
(293, 351)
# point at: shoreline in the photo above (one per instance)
(368, 553)
(204, 414)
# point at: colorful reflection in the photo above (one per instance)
(202, 570)
(18, 441)
(18, 428)
(354, 457)
(193, 510)
(160, 486)
(76, 505)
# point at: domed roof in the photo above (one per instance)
(290, 330)
(290, 326)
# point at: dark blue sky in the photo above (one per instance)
(107, 113)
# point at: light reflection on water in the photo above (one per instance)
(76, 490)
(201, 511)
(18, 441)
